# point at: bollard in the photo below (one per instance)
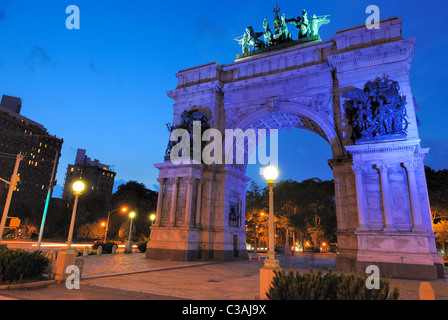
(250, 257)
(51, 256)
(114, 249)
(86, 251)
(128, 247)
(100, 250)
(426, 292)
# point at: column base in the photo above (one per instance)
(419, 229)
(405, 255)
(389, 229)
(401, 270)
(66, 257)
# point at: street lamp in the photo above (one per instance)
(123, 209)
(128, 246)
(152, 217)
(131, 215)
(67, 256)
(270, 173)
(78, 187)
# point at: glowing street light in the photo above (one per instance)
(67, 256)
(152, 217)
(122, 209)
(77, 187)
(270, 173)
(131, 215)
(128, 247)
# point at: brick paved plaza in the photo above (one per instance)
(133, 277)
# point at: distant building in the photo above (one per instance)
(98, 177)
(19, 134)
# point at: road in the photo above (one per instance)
(48, 246)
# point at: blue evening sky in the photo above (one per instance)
(103, 87)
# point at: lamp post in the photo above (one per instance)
(123, 209)
(128, 246)
(47, 201)
(152, 217)
(10, 191)
(270, 173)
(131, 215)
(67, 256)
(78, 187)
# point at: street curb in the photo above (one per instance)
(105, 275)
(28, 285)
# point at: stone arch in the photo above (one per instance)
(382, 206)
(289, 116)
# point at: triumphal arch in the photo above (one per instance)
(353, 90)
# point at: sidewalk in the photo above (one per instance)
(133, 277)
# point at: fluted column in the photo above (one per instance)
(160, 202)
(385, 193)
(175, 182)
(198, 204)
(190, 185)
(362, 216)
(417, 224)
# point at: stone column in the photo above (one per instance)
(175, 182)
(385, 194)
(413, 194)
(160, 202)
(362, 216)
(190, 185)
(210, 215)
(198, 204)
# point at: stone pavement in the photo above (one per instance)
(133, 277)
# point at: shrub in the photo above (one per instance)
(19, 264)
(107, 246)
(331, 286)
(142, 246)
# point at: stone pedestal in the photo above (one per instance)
(194, 220)
(397, 254)
(397, 235)
(66, 257)
(128, 247)
(173, 243)
(267, 273)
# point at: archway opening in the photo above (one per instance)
(304, 199)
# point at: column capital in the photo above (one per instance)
(174, 180)
(190, 179)
(161, 180)
(357, 168)
(382, 167)
(410, 165)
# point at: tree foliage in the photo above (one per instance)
(437, 182)
(136, 197)
(306, 209)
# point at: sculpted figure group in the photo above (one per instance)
(306, 28)
(376, 111)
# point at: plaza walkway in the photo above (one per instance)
(133, 277)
